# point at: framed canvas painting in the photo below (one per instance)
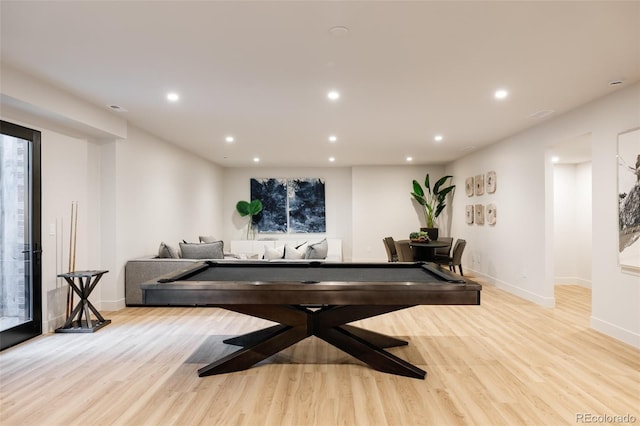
(629, 199)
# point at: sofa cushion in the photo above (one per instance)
(317, 250)
(291, 252)
(202, 250)
(167, 252)
(273, 253)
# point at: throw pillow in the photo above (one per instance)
(208, 239)
(291, 252)
(317, 250)
(202, 250)
(273, 253)
(167, 252)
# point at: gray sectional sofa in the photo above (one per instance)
(144, 269)
(138, 271)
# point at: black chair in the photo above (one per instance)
(405, 254)
(456, 258)
(390, 247)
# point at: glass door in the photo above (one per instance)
(20, 240)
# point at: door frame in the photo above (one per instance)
(33, 328)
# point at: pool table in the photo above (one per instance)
(312, 298)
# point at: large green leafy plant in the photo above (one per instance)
(432, 201)
(250, 209)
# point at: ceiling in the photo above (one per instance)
(260, 71)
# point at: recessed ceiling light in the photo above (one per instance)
(438, 138)
(332, 159)
(256, 159)
(409, 158)
(173, 97)
(500, 94)
(116, 108)
(229, 139)
(555, 159)
(332, 138)
(339, 31)
(333, 95)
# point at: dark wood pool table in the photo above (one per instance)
(312, 298)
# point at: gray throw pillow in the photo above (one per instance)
(167, 252)
(202, 250)
(317, 250)
(208, 239)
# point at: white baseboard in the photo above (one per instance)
(547, 302)
(112, 305)
(622, 334)
(572, 281)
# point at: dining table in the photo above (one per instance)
(426, 250)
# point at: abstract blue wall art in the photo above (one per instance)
(306, 205)
(290, 205)
(273, 194)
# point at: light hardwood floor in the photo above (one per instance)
(506, 362)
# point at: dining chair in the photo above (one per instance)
(390, 247)
(456, 258)
(405, 254)
(444, 252)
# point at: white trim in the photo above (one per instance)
(622, 334)
(547, 302)
(572, 281)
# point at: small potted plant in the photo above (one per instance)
(250, 209)
(419, 237)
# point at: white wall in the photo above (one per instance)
(517, 254)
(132, 191)
(572, 224)
(383, 207)
(156, 192)
(337, 195)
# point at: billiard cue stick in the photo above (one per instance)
(73, 235)
(75, 239)
(70, 251)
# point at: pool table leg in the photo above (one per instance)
(372, 355)
(255, 336)
(328, 323)
(377, 339)
(244, 358)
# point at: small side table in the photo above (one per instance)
(83, 283)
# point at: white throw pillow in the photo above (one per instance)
(273, 253)
(290, 252)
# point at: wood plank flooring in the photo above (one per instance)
(506, 362)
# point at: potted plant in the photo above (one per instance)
(432, 201)
(250, 209)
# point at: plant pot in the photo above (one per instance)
(431, 232)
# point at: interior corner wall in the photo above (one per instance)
(512, 254)
(161, 193)
(337, 196)
(572, 224)
(383, 207)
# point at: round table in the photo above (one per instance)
(426, 250)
